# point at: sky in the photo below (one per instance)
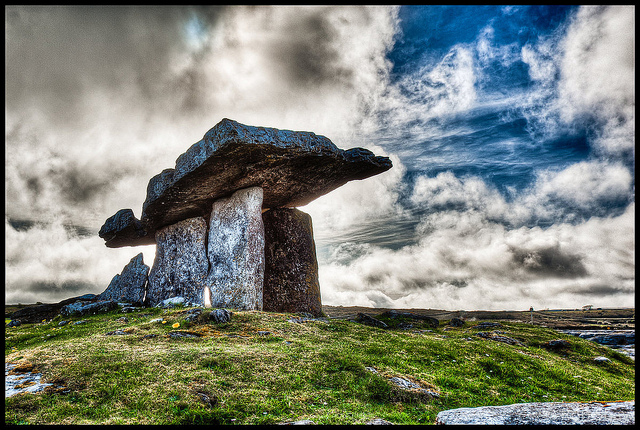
(511, 130)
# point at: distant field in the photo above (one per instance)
(623, 318)
(558, 319)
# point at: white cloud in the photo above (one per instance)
(598, 73)
(49, 263)
(587, 183)
(464, 261)
(433, 91)
(446, 191)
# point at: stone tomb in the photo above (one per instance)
(224, 221)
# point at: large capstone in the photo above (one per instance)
(236, 251)
(292, 168)
(291, 268)
(180, 268)
(129, 286)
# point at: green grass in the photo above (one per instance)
(313, 370)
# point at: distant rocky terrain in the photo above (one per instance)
(566, 319)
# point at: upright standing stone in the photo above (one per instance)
(236, 251)
(129, 286)
(291, 268)
(180, 267)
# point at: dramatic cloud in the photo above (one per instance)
(100, 99)
(463, 258)
(511, 131)
(598, 74)
(51, 262)
(475, 244)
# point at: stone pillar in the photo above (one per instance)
(236, 251)
(291, 268)
(180, 267)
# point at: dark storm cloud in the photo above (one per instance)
(601, 290)
(313, 57)
(73, 230)
(550, 261)
(58, 54)
(45, 287)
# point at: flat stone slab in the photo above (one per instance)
(292, 167)
(552, 413)
(16, 383)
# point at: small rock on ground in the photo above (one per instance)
(379, 421)
(299, 422)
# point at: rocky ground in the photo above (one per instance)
(616, 325)
(566, 319)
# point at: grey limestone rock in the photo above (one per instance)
(378, 422)
(220, 315)
(236, 251)
(130, 285)
(551, 413)
(499, 338)
(393, 314)
(409, 385)
(88, 308)
(370, 321)
(291, 268)
(180, 266)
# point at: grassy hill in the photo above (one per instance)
(268, 368)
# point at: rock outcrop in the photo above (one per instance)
(130, 285)
(224, 222)
(47, 311)
(80, 307)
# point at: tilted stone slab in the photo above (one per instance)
(124, 229)
(291, 268)
(130, 285)
(552, 413)
(292, 167)
(236, 251)
(180, 267)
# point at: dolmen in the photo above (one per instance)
(225, 223)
